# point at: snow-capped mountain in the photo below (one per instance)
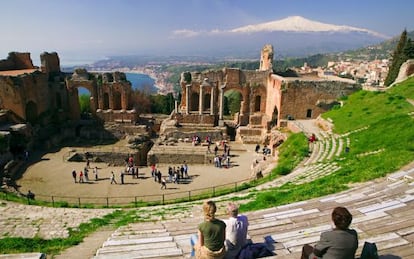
(292, 36)
(300, 24)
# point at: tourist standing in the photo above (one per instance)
(86, 174)
(95, 171)
(80, 177)
(74, 175)
(122, 177)
(185, 169)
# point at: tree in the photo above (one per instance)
(409, 49)
(85, 103)
(140, 101)
(398, 58)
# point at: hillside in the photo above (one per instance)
(381, 140)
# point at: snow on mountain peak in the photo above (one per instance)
(300, 24)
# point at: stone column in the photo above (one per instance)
(176, 106)
(221, 102)
(187, 99)
(201, 101)
(212, 106)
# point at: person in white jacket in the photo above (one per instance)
(236, 231)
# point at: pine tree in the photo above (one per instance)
(398, 58)
(409, 49)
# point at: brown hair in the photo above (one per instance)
(209, 209)
(341, 217)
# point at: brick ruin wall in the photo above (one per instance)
(16, 61)
(50, 62)
(300, 96)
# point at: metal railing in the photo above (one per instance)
(137, 200)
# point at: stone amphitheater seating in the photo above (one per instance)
(382, 214)
(24, 256)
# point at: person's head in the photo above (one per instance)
(341, 217)
(209, 210)
(232, 209)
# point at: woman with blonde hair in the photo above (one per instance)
(211, 234)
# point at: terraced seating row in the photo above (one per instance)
(145, 240)
(382, 214)
(382, 211)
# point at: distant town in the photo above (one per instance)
(367, 73)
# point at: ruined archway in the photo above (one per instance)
(31, 112)
(106, 101)
(108, 91)
(194, 102)
(207, 101)
(117, 101)
(257, 103)
(234, 101)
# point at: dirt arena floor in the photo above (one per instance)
(52, 176)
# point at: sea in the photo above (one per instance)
(142, 82)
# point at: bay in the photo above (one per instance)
(142, 82)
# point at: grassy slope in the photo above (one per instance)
(385, 145)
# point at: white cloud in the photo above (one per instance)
(185, 33)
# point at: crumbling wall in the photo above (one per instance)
(16, 61)
(50, 62)
(299, 96)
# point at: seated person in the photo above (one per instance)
(236, 231)
(209, 243)
(339, 243)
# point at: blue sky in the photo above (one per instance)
(92, 29)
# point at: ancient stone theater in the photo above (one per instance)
(29, 92)
(268, 100)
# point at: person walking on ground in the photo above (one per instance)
(236, 231)
(74, 175)
(339, 243)
(209, 243)
(112, 178)
(163, 183)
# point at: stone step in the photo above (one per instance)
(137, 241)
(130, 248)
(24, 256)
(149, 253)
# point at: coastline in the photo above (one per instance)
(160, 82)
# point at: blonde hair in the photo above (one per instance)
(209, 209)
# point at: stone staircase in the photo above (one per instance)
(144, 240)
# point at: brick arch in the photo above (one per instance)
(110, 95)
(90, 85)
(243, 107)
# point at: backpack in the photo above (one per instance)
(369, 251)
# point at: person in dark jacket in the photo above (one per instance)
(338, 243)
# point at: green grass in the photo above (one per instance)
(383, 147)
(10, 245)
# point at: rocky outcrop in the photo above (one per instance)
(406, 71)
